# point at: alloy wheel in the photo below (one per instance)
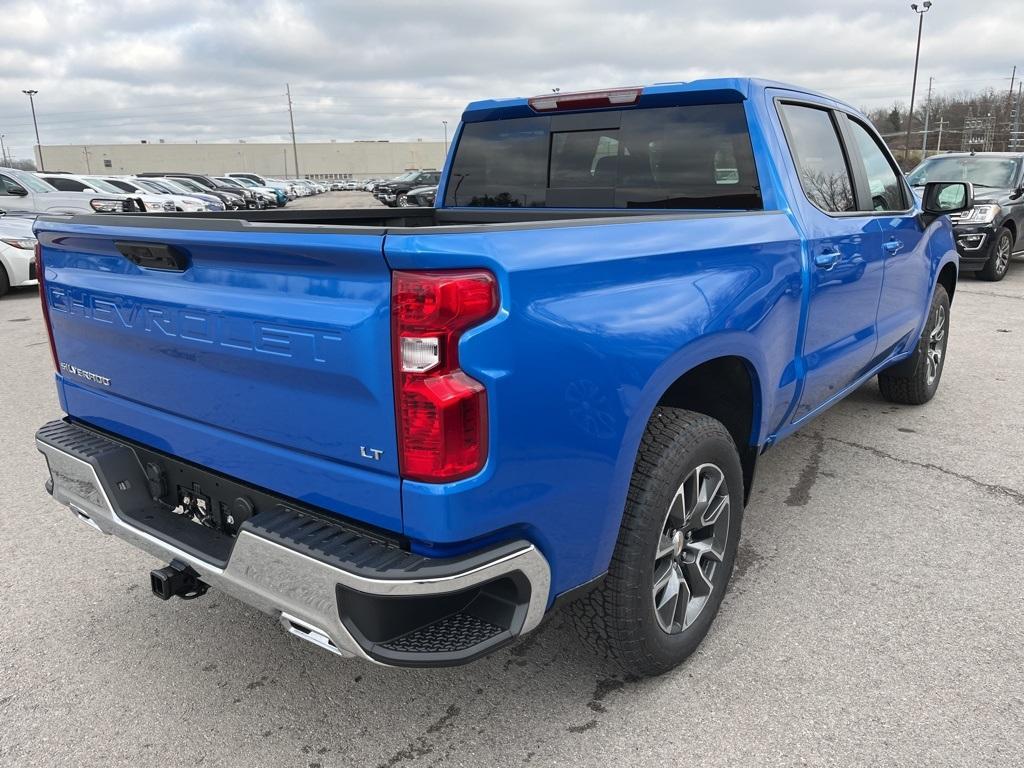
(1002, 254)
(936, 344)
(691, 548)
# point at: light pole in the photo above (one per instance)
(291, 119)
(445, 124)
(39, 146)
(917, 57)
(3, 149)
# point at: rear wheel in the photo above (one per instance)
(5, 281)
(998, 263)
(676, 546)
(915, 381)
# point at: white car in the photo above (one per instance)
(70, 182)
(17, 252)
(21, 191)
(139, 188)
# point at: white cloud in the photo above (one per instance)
(215, 71)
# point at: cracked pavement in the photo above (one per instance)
(875, 616)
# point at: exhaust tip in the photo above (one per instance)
(311, 634)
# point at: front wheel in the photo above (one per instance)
(403, 201)
(915, 380)
(675, 549)
(998, 263)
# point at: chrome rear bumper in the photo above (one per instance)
(303, 590)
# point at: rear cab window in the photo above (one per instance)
(687, 157)
(818, 154)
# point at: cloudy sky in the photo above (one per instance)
(185, 70)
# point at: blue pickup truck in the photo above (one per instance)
(410, 434)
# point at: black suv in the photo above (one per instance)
(989, 234)
(394, 192)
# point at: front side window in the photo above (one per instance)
(819, 158)
(885, 187)
(691, 157)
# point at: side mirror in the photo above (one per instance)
(942, 198)
(17, 189)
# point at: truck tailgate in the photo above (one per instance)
(267, 357)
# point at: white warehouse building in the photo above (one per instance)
(330, 160)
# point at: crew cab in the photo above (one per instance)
(990, 234)
(411, 434)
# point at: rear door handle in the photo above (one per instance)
(827, 258)
(894, 246)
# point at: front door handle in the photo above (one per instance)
(894, 246)
(828, 258)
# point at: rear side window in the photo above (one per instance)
(819, 158)
(696, 157)
(884, 185)
(66, 185)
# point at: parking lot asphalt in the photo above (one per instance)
(875, 617)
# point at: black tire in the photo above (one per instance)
(998, 263)
(402, 201)
(5, 281)
(915, 380)
(620, 618)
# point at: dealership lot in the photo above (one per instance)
(875, 617)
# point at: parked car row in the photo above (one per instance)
(396, 192)
(347, 185)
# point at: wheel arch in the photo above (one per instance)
(947, 279)
(726, 388)
(1011, 225)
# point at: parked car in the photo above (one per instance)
(179, 202)
(274, 194)
(265, 196)
(396, 191)
(337, 186)
(171, 186)
(233, 197)
(282, 187)
(17, 252)
(24, 192)
(409, 435)
(422, 197)
(69, 182)
(303, 187)
(991, 233)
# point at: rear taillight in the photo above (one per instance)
(442, 412)
(41, 278)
